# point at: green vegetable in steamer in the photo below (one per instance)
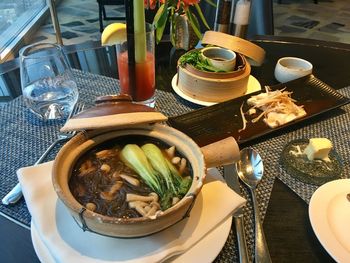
(195, 59)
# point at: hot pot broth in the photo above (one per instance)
(103, 182)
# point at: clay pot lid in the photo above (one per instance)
(111, 112)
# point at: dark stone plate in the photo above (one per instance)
(315, 172)
(211, 124)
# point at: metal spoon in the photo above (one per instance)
(250, 170)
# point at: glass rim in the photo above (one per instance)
(36, 47)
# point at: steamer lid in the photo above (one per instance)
(254, 53)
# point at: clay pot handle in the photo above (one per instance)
(220, 153)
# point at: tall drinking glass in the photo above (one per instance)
(48, 85)
(143, 90)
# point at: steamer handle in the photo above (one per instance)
(222, 152)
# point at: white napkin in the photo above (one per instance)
(65, 240)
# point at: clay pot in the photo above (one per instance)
(199, 158)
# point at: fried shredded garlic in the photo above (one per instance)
(244, 120)
(277, 108)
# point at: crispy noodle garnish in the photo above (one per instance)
(277, 108)
(244, 120)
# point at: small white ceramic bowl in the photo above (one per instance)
(290, 68)
(220, 58)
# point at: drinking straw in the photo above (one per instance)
(140, 31)
(129, 11)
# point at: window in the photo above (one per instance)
(18, 18)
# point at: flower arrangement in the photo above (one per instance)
(169, 9)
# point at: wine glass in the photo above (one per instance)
(48, 85)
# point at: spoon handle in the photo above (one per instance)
(262, 254)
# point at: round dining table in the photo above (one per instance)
(289, 234)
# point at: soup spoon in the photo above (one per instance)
(250, 170)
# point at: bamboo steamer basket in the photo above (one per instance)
(219, 87)
(214, 87)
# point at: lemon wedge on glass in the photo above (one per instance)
(114, 33)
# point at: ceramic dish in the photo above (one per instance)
(311, 172)
(329, 212)
(220, 58)
(199, 159)
(316, 96)
(290, 68)
(58, 236)
(216, 239)
(253, 86)
(132, 129)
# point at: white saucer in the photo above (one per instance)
(253, 86)
(329, 212)
(70, 240)
(215, 240)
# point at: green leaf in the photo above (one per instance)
(195, 59)
(210, 3)
(160, 20)
(166, 201)
(200, 13)
(185, 185)
(192, 58)
(158, 162)
(173, 26)
(194, 23)
(158, 14)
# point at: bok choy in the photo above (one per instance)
(133, 156)
(157, 172)
(158, 162)
(182, 183)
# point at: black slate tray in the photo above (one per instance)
(219, 121)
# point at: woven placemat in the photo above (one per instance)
(24, 138)
(335, 127)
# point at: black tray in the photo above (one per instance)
(219, 121)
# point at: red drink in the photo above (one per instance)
(145, 77)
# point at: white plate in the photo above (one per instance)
(329, 212)
(84, 247)
(215, 240)
(253, 85)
